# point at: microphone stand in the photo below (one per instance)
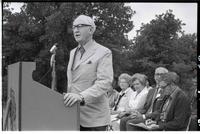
(53, 65)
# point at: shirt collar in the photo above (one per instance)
(145, 88)
(88, 45)
(124, 92)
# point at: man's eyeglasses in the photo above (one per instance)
(123, 82)
(79, 26)
(159, 74)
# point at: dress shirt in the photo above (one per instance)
(137, 100)
(125, 99)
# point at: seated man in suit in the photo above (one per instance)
(170, 110)
(193, 103)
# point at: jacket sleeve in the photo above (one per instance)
(147, 103)
(180, 117)
(104, 78)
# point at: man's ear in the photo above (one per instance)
(91, 30)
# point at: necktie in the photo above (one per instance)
(115, 108)
(82, 51)
(159, 93)
(158, 101)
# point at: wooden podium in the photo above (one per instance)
(34, 106)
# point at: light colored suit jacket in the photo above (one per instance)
(92, 78)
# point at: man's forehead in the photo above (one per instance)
(160, 71)
(83, 19)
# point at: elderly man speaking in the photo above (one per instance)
(90, 75)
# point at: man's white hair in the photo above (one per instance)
(86, 20)
(161, 69)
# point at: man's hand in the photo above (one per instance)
(112, 112)
(135, 114)
(149, 122)
(153, 127)
(71, 98)
(122, 114)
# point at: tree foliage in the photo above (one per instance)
(163, 43)
(29, 35)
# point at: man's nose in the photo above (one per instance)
(75, 29)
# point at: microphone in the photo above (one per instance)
(53, 51)
(53, 65)
(54, 48)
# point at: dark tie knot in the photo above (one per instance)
(82, 50)
(161, 91)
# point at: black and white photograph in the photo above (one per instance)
(99, 66)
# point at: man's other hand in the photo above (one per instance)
(71, 98)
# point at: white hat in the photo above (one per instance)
(83, 19)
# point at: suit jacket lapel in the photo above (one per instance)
(69, 70)
(71, 59)
(88, 53)
(152, 100)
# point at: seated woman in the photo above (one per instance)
(138, 98)
(123, 99)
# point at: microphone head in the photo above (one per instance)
(53, 49)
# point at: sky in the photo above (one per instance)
(145, 12)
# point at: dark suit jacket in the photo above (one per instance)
(148, 100)
(178, 115)
(157, 105)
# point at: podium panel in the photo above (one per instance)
(36, 106)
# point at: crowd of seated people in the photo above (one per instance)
(129, 99)
(139, 107)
